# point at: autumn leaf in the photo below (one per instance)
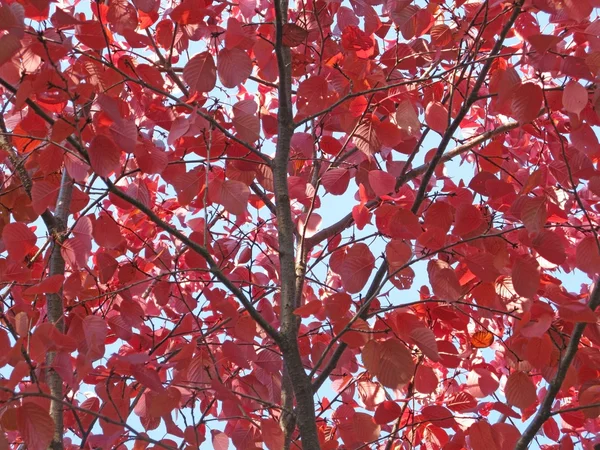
(482, 339)
(200, 73)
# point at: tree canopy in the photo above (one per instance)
(354, 224)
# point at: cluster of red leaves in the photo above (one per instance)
(108, 95)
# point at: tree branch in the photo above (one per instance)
(348, 220)
(202, 251)
(544, 411)
(54, 304)
(289, 271)
(464, 109)
(165, 226)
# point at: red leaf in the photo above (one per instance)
(506, 410)
(200, 73)
(120, 327)
(526, 277)
(124, 132)
(234, 66)
(575, 97)
(443, 280)
(361, 216)
(461, 402)
(550, 247)
(577, 312)
(107, 232)
(309, 309)
(245, 120)
(336, 181)
(481, 382)
(483, 437)
(150, 158)
(50, 285)
(468, 218)
(533, 213)
(220, 441)
(234, 197)
(527, 102)
(9, 46)
(35, 425)
(441, 35)
(357, 267)
(272, 434)
(426, 381)
(354, 339)
(397, 253)
(92, 34)
(587, 256)
(520, 390)
(365, 428)
(436, 117)
(407, 119)
(105, 156)
(425, 340)
(122, 17)
(381, 182)
(542, 43)
(44, 195)
(293, 35)
(390, 361)
(551, 430)
(312, 95)
(18, 239)
(439, 416)
(386, 412)
(365, 138)
(95, 332)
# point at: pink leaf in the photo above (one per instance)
(234, 196)
(381, 182)
(357, 267)
(425, 340)
(574, 98)
(520, 390)
(527, 102)
(36, 426)
(200, 73)
(105, 156)
(18, 239)
(335, 181)
(234, 67)
(436, 117)
(526, 277)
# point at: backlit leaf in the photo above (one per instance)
(482, 339)
(35, 425)
(200, 73)
(390, 361)
(18, 239)
(520, 390)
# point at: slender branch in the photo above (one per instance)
(202, 251)
(362, 313)
(348, 220)
(437, 157)
(544, 411)
(47, 216)
(166, 227)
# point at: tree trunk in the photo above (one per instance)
(55, 305)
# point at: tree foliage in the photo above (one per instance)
(319, 225)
